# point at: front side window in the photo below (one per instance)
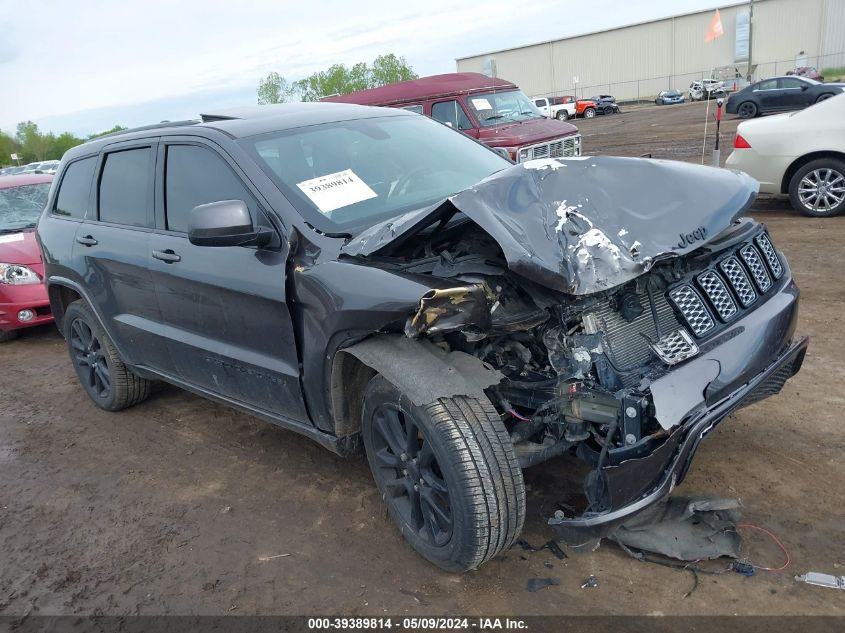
(493, 108)
(21, 206)
(348, 175)
(452, 114)
(125, 187)
(75, 188)
(413, 108)
(196, 175)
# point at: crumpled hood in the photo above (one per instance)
(582, 225)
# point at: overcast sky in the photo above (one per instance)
(85, 66)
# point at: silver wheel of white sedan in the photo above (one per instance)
(818, 189)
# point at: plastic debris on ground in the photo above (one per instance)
(535, 584)
(552, 546)
(590, 583)
(822, 580)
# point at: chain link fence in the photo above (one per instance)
(645, 90)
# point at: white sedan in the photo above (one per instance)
(801, 154)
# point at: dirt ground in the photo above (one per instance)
(182, 506)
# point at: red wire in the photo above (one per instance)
(777, 542)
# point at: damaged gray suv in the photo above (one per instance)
(373, 279)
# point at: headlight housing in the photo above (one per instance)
(18, 275)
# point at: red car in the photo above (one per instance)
(806, 71)
(23, 297)
(583, 107)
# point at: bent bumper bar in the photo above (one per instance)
(686, 438)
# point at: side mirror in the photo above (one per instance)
(225, 223)
(804, 86)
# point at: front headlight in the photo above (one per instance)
(17, 275)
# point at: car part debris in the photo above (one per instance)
(535, 584)
(685, 528)
(590, 583)
(552, 546)
(822, 580)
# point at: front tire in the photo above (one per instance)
(101, 372)
(823, 97)
(817, 189)
(447, 472)
(589, 113)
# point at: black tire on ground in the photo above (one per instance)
(101, 372)
(747, 110)
(589, 113)
(562, 115)
(447, 472)
(10, 335)
(826, 95)
(817, 189)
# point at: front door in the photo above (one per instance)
(224, 308)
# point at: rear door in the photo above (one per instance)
(112, 243)
(794, 93)
(224, 309)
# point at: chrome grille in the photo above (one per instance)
(560, 148)
(693, 309)
(675, 347)
(755, 264)
(769, 253)
(718, 294)
(739, 281)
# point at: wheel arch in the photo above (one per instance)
(798, 163)
(61, 296)
(420, 369)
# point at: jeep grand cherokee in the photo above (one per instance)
(371, 278)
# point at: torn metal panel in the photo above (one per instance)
(449, 309)
(423, 371)
(685, 528)
(582, 226)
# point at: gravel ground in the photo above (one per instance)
(182, 506)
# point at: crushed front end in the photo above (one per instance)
(629, 349)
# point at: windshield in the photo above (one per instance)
(349, 175)
(21, 206)
(493, 108)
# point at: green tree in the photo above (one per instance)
(388, 69)
(62, 143)
(274, 89)
(33, 144)
(8, 146)
(116, 128)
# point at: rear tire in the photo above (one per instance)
(562, 115)
(101, 372)
(10, 335)
(817, 189)
(447, 472)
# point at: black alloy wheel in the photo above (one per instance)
(747, 110)
(90, 360)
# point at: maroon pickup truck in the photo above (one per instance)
(494, 111)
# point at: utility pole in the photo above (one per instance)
(750, 36)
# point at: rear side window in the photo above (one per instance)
(452, 114)
(72, 200)
(194, 176)
(125, 187)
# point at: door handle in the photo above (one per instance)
(168, 256)
(86, 240)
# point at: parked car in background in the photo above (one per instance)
(48, 167)
(779, 94)
(559, 111)
(669, 97)
(584, 108)
(800, 154)
(494, 111)
(809, 72)
(370, 278)
(605, 104)
(706, 89)
(6, 170)
(23, 298)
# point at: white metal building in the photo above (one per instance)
(639, 60)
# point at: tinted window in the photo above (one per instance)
(769, 84)
(451, 113)
(196, 175)
(125, 186)
(73, 195)
(789, 82)
(414, 108)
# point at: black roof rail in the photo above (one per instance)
(152, 126)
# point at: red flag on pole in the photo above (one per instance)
(715, 29)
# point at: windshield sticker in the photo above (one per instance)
(334, 191)
(14, 237)
(481, 104)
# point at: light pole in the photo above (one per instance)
(750, 36)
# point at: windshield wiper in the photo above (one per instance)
(18, 229)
